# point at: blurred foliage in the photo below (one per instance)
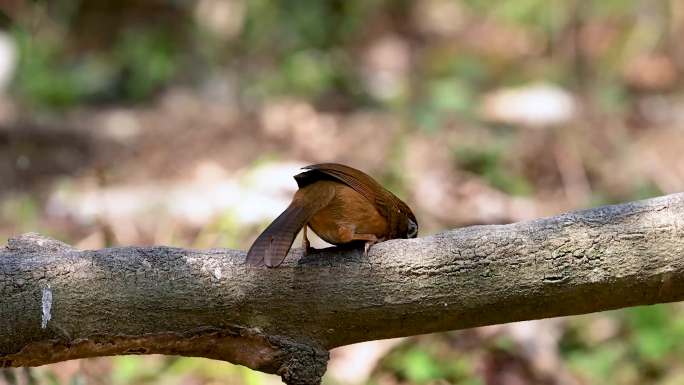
(312, 50)
(131, 370)
(425, 364)
(643, 347)
(488, 163)
(147, 60)
(137, 66)
(42, 79)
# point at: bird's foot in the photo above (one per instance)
(307, 249)
(366, 246)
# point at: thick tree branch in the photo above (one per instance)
(59, 303)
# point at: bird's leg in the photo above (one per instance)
(305, 242)
(370, 239)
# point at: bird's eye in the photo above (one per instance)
(412, 230)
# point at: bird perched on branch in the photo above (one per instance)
(341, 205)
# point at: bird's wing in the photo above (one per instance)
(366, 186)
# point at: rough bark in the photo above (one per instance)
(59, 303)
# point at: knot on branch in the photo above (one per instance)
(300, 363)
(34, 242)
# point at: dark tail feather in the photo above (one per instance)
(271, 247)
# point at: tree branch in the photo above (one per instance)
(60, 303)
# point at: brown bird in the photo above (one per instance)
(340, 204)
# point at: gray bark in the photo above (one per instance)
(59, 303)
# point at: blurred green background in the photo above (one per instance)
(181, 123)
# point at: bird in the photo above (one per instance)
(341, 205)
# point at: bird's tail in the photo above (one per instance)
(271, 247)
